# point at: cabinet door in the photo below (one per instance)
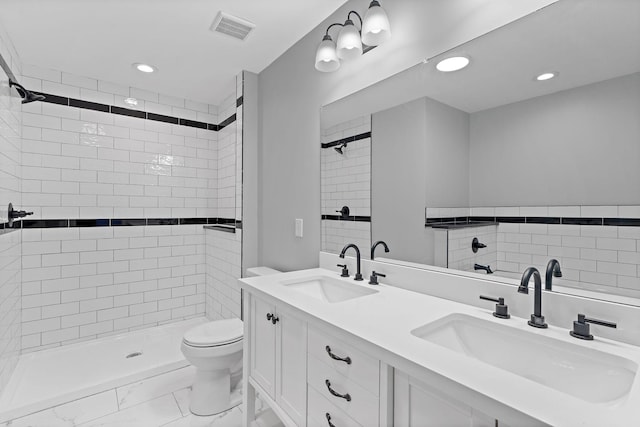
(418, 405)
(263, 345)
(291, 366)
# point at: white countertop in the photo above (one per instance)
(385, 321)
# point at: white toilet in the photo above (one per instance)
(215, 349)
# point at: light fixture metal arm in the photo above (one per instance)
(357, 14)
(332, 25)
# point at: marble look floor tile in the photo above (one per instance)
(156, 412)
(231, 418)
(72, 413)
(183, 399)
(153, 387)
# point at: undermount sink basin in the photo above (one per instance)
(588, 374)
(328, 289)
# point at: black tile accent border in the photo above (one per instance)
(620, 222)
(239, 101)
(228, 121)
(193, 124)
(543, 220)
(88, 105)
(88, 223)
(54, 99)
(163, 221)
(511, 219)
(164, 119)
(42, 223)
(132, 113)
(191, 221)
(113, 109)
(117, 222)
(128, 222)
(355, 218)
(582, 221)
(346, 140)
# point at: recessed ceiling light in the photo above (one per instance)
(145, 68)
(453, 63)
(131, 101)
(546, 76)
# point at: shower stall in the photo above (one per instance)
(125, 229)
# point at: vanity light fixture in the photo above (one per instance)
(351, 42)
(453, 63)
(546, 76)
(145, 68)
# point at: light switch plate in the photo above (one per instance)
(298, 227)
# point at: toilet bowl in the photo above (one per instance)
(215, 349)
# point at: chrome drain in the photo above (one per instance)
(135, 354)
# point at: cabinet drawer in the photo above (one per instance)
(363, 370)
(319, 407)
(361, 405)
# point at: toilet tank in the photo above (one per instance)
(260, 271)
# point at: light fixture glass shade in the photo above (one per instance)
(349, 42)
(326, 57)
(375, 26)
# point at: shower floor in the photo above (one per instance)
(51, 377)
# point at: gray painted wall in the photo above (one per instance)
(576, 147)
(291, 93)
(420, 157)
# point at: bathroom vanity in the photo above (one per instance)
(323, 350)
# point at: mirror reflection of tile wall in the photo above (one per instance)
(346, 181)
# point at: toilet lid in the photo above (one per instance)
(211, 334)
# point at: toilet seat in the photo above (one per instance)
(214, 334)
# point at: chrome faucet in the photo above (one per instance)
(537, 319)
(375, 245)
(553, 270)
(358, 275)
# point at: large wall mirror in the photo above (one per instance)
(533, 169)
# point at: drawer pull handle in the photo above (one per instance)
(347, 359)
(345, 396)
(329, 420)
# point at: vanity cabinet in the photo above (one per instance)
(344, 384)
(416, 404)
(277, 357)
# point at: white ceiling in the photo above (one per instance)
(102, 38)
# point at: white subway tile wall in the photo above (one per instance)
(346, 181)
(10, 244)
(223, 260)
(460, 252)
(89, 164)
(336, 234)
(593, 257)
(84, 283)
(226, 161)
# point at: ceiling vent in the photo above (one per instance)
(232, 26)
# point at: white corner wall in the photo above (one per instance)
(291, 93)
